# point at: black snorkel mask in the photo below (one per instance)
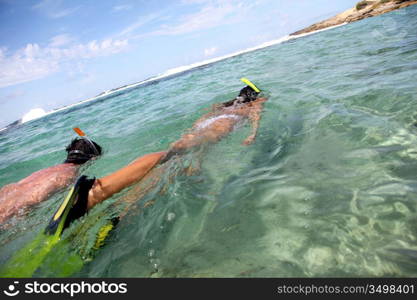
(247, 94)
(79, 154)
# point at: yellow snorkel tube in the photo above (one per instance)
(249, 83)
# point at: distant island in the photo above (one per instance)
(362, 10)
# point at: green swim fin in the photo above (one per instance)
(104, 232)
(29, 258)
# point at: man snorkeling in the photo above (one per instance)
(87, 193)
(223, 119)
(42, 184)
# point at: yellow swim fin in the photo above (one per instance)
(73, 207)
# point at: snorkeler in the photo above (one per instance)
(87, 193)
(221, 121)
(42, 184)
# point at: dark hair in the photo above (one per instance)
(81, 150)
(247, 94)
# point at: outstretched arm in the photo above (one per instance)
(111, 184)
(254, 117)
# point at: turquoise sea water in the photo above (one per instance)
(329, 188)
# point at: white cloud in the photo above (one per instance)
(210, 51)
(63, 12)
(212, 14)
(54, 8)
(187, 2)
(207, 17)
(139, 23)
(34, 62)
(60, 40)
(122, 7)
(25, 65)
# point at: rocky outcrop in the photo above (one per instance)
(363, 9)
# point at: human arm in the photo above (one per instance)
(254, 116)
(109, 185)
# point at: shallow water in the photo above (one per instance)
(328, 188)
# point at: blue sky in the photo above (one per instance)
(56, 52)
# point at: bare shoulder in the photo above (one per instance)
(66, 170)
(260, 100)
(65, 167)
(59, 171)
(257, 104)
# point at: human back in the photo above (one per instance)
(215, 125)
(35, 188)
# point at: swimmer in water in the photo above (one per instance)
(215, 125)
(39, 186)
(87, 193)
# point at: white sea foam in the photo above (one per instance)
(181, 69)
(33, 114)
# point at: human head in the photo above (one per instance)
(247, 94)
(81, 150)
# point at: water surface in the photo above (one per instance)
(328, 188)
